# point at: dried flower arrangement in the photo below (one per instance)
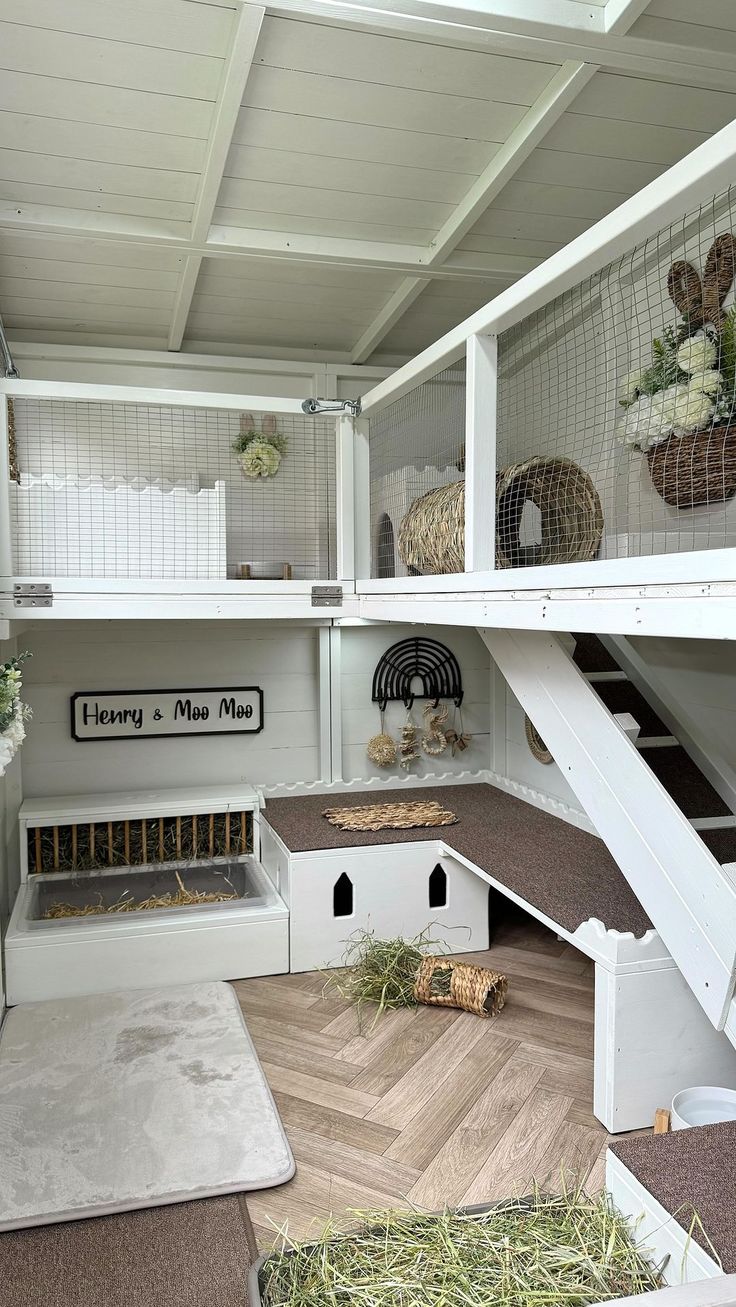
(13, 712)
(259, 452)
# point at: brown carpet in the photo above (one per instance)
(186, 1255)
(564, 872)
(687, 1171)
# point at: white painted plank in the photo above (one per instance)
(114, 106)
(183, 301)
(346, 139)
(634, 99)
(16, 288)
(170, 24)
(14, 269)
(148, 149)
(35, 246)
(318, 48)
(252, 313)
(16, 310)
(233, 296)
(621, 140)
(717, 39)
(252, 164)
(364, 102)
(259, 220)
(88, 175)
(224, 280)
(318, 202)
(562, 168)
(393, 310)
(480, 452)
(560, 200)
(57, 197)
(111, 63)
(712, 13)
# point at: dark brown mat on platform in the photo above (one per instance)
(567, 874)
(185, 1255)
(691, 1170)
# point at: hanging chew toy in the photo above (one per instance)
(408, 750)
(381, 748)
(457, 739)
(434, 739)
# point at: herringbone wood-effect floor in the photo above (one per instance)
(430, 1106)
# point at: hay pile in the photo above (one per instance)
(181, 899)
(558, 1251)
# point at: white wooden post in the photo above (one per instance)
(325, 706)
(678, 882)
(6, 542)
(336, 703)
(345, 499)
(480, 453)
(362, 500)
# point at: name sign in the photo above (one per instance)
(135, 714)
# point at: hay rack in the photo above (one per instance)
(417, 657)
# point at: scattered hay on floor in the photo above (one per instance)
(182, 898)
(381, 971)
(557, 1251)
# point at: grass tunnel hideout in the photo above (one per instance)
(556, 1251)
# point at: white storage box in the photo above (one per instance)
(391, 889)
(207, 838)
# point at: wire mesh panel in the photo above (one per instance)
(616, 433)
(417, 466)
(118, 490)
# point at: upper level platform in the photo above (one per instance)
(565, 458)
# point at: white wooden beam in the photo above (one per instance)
(480, 453)
(549, 106)
(183, 300)
(246, 29)
(678, 882)
(620, 15)
(395, 307)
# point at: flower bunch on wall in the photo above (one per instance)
(259, 452)
(689, 385)
(13, 712)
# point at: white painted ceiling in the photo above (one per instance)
(201, 174)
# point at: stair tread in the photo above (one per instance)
(721, 842)
(692, 793)
(622, 696)
(691, 1171)
(591, 655)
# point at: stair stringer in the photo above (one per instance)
(678, 882)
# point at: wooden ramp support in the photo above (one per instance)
(678, 882)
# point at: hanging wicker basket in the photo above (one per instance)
(444, 983)
(431, 538)
(536, 744)
(688, 471)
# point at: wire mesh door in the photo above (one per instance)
(417, 479)
(131, 491)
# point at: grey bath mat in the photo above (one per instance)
(119, 1101)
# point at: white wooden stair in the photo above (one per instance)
(689, 897)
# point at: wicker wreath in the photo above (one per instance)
(536, 743)
(431, 538)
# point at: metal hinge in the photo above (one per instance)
(326, 596)
(36, 594)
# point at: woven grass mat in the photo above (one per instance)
(390, 816)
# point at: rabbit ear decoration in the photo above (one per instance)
(703, 303)
(268, 424)
(247, 423)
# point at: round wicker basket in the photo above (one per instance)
(700, 469)
(571, 513)
(431, 538)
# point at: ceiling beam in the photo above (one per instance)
(549, 106)
(554, 100)
(246, 30)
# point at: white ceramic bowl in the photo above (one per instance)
(702, 1105)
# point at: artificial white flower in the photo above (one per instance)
(649, 421)
(13, 736)
(696, 354)
(691, 410)
(631, 385)
(260, 459)
(709, 382)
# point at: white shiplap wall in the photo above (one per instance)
(68, 657)
(361, 649)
